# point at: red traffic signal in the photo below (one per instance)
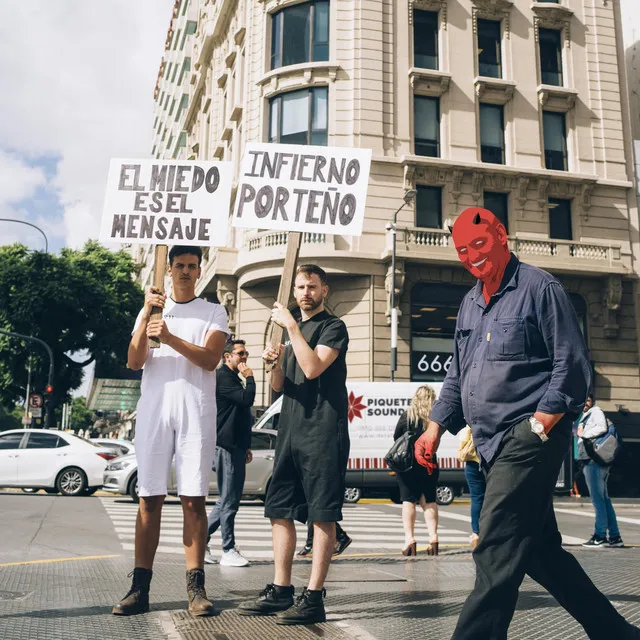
(48, 389)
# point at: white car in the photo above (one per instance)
(120, 446)
(55, 461)
(121, 475)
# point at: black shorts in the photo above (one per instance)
(308, 477)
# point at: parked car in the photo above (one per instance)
(121, 475)
(119, 445)
(56, 461)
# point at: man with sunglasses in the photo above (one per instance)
(235, 394)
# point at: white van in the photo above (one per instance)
(374, 411)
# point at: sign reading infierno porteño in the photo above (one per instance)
(167, 202)
(296, 188)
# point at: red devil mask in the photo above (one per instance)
(481, 242)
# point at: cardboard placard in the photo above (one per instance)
(183, 202)
(302, 188)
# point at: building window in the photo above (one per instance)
(498, 204)
(184, 103)
(299, 117)
(560, 219)
(300, 34)
(555, 141)
(426, 125)
(425, 39)
(489, 49)
(434, 310)
(492, 133)
(550, 42)
(429, 207)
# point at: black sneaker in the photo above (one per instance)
(305, 551)
(595, 542)
(271, 600)
(341, 544)
(308, 609)
(616, 541)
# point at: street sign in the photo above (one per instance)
(36, 412)
(35, 401)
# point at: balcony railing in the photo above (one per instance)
(264, 239)
(436, 244)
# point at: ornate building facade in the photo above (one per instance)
(517, 106)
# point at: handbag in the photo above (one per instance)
(605, 448)
(400, 457)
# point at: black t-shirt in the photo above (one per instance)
(320, 403)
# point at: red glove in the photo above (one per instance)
(423, 451)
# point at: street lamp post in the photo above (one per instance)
(44, 235)
(409, 196)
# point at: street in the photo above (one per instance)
(64, 562)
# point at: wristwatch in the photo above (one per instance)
(538, 428)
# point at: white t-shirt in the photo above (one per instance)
(171, 384)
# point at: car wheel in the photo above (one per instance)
(133, 488)
(445, 495)
(30, 490)
(352, 495)
(72, 482)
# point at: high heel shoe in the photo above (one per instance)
(432, 548)
(410, 549)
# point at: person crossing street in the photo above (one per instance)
(235, 395)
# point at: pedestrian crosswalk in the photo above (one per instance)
(372, 528)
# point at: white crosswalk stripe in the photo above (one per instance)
(372, 529)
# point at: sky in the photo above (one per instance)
(77, 89)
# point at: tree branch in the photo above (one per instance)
(77, 365)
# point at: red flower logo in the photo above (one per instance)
(355, 406)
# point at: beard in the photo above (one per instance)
(309, 304)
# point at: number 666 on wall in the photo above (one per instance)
(430, 362)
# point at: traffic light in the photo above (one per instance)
(49, 418)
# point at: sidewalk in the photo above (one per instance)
(367, 599)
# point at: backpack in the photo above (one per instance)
(605, 448)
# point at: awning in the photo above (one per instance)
(111, 394)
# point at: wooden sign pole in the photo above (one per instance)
(159, 272)
(286, 284)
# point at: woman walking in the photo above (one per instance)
(475, 480)
(417, 486)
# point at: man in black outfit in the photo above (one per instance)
(312, 448)
(234, 398)
(520, 374)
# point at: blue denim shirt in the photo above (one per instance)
(521, 353)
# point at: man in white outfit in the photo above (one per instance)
(176, 416)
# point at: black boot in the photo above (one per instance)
(308, 609)
(199, 605)
(273, 599)
(137, 600)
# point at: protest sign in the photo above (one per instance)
(181, 202)
(295, 188)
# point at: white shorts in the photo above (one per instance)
(157, 440)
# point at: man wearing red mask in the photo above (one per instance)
(520, 374)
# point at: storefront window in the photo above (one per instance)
(434, 310)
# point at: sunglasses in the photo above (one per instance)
(242, 354)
